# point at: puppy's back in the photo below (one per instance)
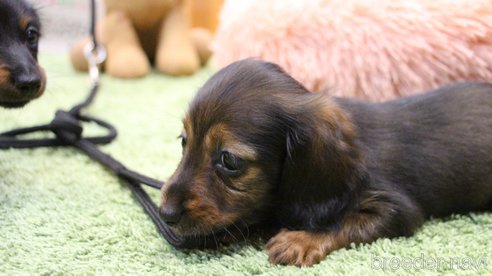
(436, 146)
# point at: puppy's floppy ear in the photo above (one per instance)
(321, 166)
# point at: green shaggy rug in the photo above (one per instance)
(61, 213)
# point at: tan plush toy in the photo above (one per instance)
(140, 33)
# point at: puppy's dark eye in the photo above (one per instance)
(231, 163)
(32, 36)
(183, 140)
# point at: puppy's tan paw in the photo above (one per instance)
(299, 248)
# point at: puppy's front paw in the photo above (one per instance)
(299, 248)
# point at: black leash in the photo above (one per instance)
(68, 130)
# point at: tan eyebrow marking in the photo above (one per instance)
(24, 22)
(242, 150)
(188, 131)
(221, 133)
(4, 75)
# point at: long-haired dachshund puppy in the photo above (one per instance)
(21, 77)
(257, 146)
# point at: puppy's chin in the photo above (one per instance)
(212, 236)
(9, 98)
(195, 229)
(13, 104)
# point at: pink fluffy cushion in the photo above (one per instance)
(361, 48)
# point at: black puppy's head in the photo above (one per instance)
(21, 78)
(253, 137)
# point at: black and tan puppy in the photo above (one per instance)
(21, 78)
(257, 146)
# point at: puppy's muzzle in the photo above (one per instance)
(21, 77)
(25, 73)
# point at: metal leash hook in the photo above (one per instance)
(68, 129)
(95, 56)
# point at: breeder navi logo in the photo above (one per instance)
(428, 263)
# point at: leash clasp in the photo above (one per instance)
(95, 55)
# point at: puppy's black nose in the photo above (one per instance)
(171, 213)
(27, 83)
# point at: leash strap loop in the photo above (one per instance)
(10, 139)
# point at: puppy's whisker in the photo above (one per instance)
(198, 233)
(213, 235)
(245, 226)
(230, 234)
(239, 229)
